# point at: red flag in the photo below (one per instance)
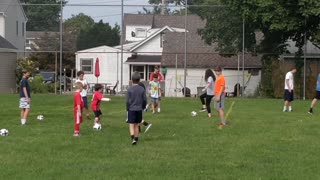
(97, 68)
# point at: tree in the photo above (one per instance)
(99, 34)
(43, 18)
(77, 23)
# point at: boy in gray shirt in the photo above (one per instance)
(136, 102)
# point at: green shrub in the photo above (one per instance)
(37, 85)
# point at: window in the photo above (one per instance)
(17, 28)
(86, 65)
(23, 29)
(139, 69)
(141, 33)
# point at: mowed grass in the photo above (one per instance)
(261, 142)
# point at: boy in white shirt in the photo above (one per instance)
(288, 90)
(83, 93)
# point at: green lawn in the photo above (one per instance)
(261, 142)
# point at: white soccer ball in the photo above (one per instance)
(40, 117)
(97, 127)
(193, 113)
(4, 132)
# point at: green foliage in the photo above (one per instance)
(37, 85)
(77, 23)
(24, 64)
(43, 18)
(97, 35)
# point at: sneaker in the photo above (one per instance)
(203, 110)
(310, 112)
(134, 142)
(76, 134)
(146, 109)
(220, 126)
(158, 110)
(153, 112)
(148, 127)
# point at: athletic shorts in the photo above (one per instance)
(97, 113)
(219, 104)
(154, 100)
(288, 96)
(85, 102)
(317, 96)
(24, 104)
(134, 117)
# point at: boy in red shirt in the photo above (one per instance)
(95, 105)
(77, 109)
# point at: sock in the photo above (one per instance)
(290, 108)
(136, 139)
(158, 109)
(284, 108)
(310, 110)
(145, 123)
(132, 137)
(23, 121)
(204, 106)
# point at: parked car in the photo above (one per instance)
(48, 77)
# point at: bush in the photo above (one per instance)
(37, 85)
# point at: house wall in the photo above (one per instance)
(133, 28)
(110, 67)
(152, 47)
(195, 78)
(7, 73)
(2, 26)
(13, 14)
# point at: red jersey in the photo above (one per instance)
(77, 100)
(160, 76)
(96, 99)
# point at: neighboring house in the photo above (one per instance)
(8, 57)
(13, 24)
(34, 40)
(109, 63)
(159, 40)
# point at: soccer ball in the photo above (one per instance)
(193, 113)
(40, 117)
(4, 132)
(97, 127)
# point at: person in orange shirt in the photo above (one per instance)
(219, 92)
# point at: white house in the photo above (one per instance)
(159, 40)
(109, 63)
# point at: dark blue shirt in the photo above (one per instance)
(24, 83)
(318, 83)
(136, 98)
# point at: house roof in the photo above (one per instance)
(144, 59)
(41, 34)
(5, 44)
(200, 54)
(100, 49)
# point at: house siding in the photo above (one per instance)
(195, 78)
(7, 73)
(110, 66)
(13, 15)
(152, 47)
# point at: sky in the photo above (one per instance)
(111, 14)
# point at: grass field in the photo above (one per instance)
(261, 142)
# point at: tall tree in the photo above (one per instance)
(43, 17)
(99, 34)
(77, 23)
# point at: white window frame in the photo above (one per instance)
(141, 32)
(143, 72)
(91, 65)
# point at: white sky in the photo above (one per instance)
(110, 14)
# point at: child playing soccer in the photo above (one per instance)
(136, 102)
(95, 105)
(155, 94)
(145, 123)
(219, 92)
(83, 93)
(77, 109)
